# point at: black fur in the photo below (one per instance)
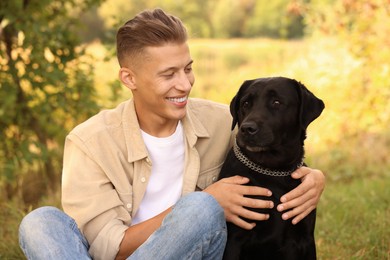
(272, 115)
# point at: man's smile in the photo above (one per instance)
(177, 99)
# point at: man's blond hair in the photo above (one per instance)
(150, 28)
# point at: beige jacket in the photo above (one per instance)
(106, 167)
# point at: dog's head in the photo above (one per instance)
(272, 115)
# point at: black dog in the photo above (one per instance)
(272, 115)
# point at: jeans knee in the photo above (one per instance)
(39, 215)
(37, 220)
(204, 211)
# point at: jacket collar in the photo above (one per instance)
(192, 126)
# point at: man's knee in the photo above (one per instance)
(38, 221)
(49, 233)
(40, 215)
(203, 210)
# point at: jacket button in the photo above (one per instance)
(143, 179)
(148, 161)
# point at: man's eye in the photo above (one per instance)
(169, 75)
(188, 70)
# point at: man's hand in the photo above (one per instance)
(304, 198)
(229, 192)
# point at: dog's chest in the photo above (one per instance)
(274, 238)
(279, 185)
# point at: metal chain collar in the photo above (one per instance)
(257, 168)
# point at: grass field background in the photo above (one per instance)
(349, 142)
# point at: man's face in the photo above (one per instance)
(163, 82)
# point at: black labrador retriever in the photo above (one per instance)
(272, 115)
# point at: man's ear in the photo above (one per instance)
(126, 76)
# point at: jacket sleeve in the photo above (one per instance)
(89, 197)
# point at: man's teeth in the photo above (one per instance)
(178, 100)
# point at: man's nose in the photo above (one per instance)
(185, 82)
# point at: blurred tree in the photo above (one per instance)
(92, 26)
(197, 15)
(360, 97)
(219, 18)
(258, 18)
(277, 19)
(364, 26)
(46, 87)
(230, 17)
(117, 12)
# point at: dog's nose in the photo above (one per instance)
(249, 128)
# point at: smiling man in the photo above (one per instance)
(140, 180)
(160, 86)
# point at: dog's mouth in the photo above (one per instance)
(256, 149)
(252, 147)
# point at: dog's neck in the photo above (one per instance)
(260, 169)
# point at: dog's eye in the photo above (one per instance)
(276, 103)
(245, 104)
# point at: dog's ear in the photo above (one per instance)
(311, 106)
(235, 103)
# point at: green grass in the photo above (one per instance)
(10, 217)
(11, 214)
(353, 220)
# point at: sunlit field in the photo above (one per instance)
(349, 141)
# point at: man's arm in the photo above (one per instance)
(230, 192)
(303, 199)
(136, 235)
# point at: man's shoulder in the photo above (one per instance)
(103, 121)
(198, 104)
(211, 114)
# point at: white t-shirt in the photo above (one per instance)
(166, 180)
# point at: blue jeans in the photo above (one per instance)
(195, 229)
